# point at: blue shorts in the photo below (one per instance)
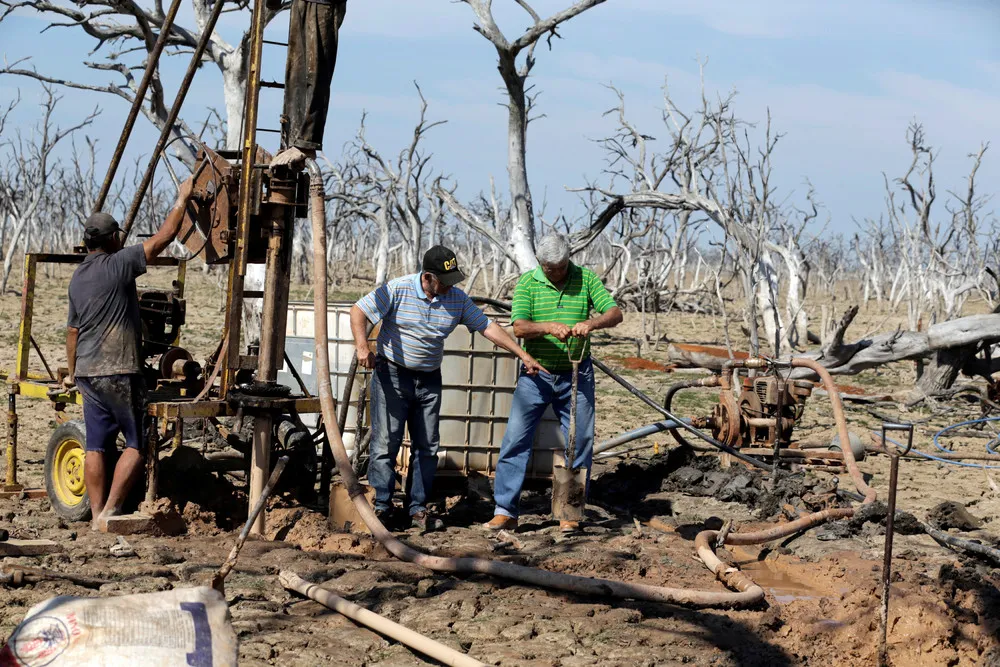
(113, 404)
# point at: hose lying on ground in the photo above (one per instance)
(749, 594)
(706, 540)
(380, 624)
(634, 434)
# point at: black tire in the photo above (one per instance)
(64, 472)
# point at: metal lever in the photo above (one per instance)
(894, 455)
(891, 426)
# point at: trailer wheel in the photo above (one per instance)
(64, 481)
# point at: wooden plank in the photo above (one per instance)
(29, 547)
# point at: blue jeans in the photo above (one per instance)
(402, 397)
(532, 395)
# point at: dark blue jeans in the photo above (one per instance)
(404, 398)
(532, 395)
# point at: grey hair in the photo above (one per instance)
(552, 250)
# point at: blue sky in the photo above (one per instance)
(842, 80)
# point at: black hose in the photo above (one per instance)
(668, 400)
(489, 301)
(959, 543)
(635, 391)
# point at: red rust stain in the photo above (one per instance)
(640, 364)
(710, 350)
(849, 389)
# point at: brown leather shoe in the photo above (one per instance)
(569, 526)
(501, 522)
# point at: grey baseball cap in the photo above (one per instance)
(99, 225)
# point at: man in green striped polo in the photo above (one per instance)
(551, 313)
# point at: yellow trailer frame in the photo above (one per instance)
(169, 411)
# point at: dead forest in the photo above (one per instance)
(680, 217)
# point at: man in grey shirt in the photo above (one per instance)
(103, 349)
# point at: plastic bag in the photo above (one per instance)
(187, 626)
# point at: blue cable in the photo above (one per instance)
(941, 448)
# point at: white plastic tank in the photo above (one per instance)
(478, 381)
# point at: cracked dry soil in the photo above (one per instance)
(822, 595)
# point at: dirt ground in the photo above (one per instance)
(822, 594)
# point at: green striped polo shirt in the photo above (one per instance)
(538, 300)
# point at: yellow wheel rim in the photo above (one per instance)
(67, 472)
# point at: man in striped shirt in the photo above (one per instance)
(417, 313)
(551, 311)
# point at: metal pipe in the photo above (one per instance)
(168, 125)
(218, 581)
(152, 462)
(883, 649)
(635, 434)
(10, 483)
(894, 453)
(379, 624)
(272, 344)
(41, 356)
(528, 575)
(140, 97)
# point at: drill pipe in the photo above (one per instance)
(528, 575)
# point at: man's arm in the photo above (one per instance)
(159, 241)
(71, 336)
(610, 318)
(522, 316)
(499, 337)
(359, 328)
(527, 329)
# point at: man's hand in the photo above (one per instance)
(531, 365)
(69, 382)
(365, 357)
(184, 193)
(559, 330)
(582, 329)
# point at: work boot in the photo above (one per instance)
(569, 526)
(387, 517)
(501, 522)
(426, 522)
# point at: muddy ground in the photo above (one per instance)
(823, 586)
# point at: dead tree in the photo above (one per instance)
(26, 187)
(516, 58)
(797, 268)
(406, 184)
(708, 166)
(125, 33)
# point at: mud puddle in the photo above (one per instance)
(779, 584)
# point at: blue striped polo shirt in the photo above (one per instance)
(413, 326)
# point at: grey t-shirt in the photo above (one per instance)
(104, 306)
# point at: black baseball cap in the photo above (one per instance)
(99, 225)
(442, 263)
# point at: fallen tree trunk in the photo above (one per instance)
(945, 349)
